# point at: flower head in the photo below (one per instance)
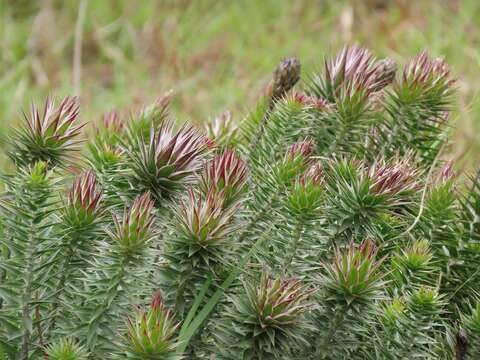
(279, 302)
(393, 178)
(226, 172)
(384, 74)
(152, 334)
(355, 69)
(134, 230)
(302, 149)
(285, 76)
(354, 274)
(269, 319)
(48, 135)
(169, 158)
(66, 349)
(427, 73)
(83, 200)
(203, 222)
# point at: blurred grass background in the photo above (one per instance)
(219, 55)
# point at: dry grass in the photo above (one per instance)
(218, 55)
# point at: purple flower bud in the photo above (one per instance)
(425, 72)
(226, 172)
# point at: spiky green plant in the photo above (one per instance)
(66, 349)
(267, 321)
(152, 334)
(47, 135)
(324, 225)
(166, 159)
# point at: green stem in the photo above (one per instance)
(107, 302)
(337, 320)
(65, 274)
(27, 293)
(292, 249)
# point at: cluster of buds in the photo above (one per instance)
(355, 69)
(83, 201)
(269, 320)
(227, 173)
(134, 230)
(152, 334)
(393, 179)
(66, 348)
(206, 219)
(222, 129)
(305, 197)
(169, 159)
(426, 73)
(354, 274)
(279, 303)
(48, 135)
(203, 222)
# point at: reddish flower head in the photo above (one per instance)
(83, 199)
(202, 221)
(169, 159)
(303, 149)
(396, 177)
(280, 302)
(48, 135)
(226, 172)
(426, 72)
(354, 68)
(134, 230)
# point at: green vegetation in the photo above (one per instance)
(325, 226)
(216, 55)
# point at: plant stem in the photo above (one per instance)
(322, 348)
(107, 301)
(27, 293)
(65, 274)
(292, 249)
